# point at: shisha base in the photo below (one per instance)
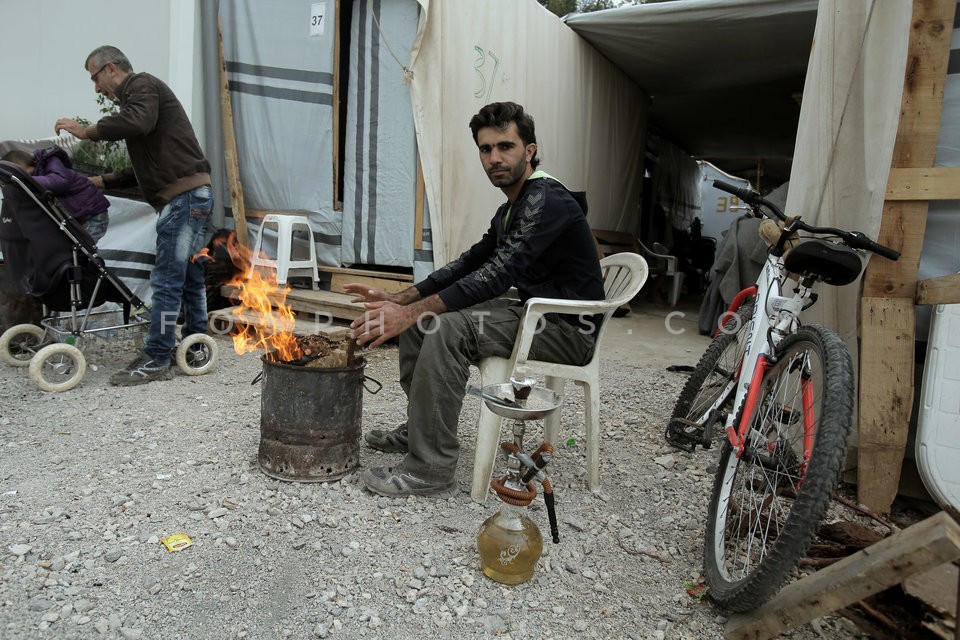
(510, 545)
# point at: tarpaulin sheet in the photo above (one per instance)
(380, 171)
(590, 118)
(280, 75)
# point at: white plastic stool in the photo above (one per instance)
(287, 225)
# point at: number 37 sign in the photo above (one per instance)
(317, 13)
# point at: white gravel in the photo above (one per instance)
(92, 479)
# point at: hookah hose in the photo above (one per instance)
(522, 498)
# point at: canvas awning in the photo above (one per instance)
(725, 76)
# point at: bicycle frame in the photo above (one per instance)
(774, 317)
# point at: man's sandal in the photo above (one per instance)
(394, 441)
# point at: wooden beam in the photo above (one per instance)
(886, 329)
(335, 99)
(420, 210)
(887, 326)
(230, 149)
(914, 550)
(942, 290)
(314, 301)
(929, 183)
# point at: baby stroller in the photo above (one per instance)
(51, 257)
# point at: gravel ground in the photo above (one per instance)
(91, 480)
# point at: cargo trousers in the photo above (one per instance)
(435, 359)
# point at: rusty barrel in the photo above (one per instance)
(310, 421)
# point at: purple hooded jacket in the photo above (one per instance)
(54, 172)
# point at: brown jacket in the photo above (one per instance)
(166, 157)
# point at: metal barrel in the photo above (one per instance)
(310, 421)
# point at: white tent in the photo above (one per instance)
(418, 71)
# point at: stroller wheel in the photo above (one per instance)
(58, 367)
(197, 354)
(19, 343)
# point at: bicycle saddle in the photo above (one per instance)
(834, 264)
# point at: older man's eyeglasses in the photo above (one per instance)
(98, 72)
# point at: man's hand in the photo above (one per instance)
(72, 126)
(97, 182)
(382, 321)
(366, 293)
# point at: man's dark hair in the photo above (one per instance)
(107, 53)
(22, 158)
(499, 115)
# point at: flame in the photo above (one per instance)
(261, 297)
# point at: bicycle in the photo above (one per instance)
(783, 394)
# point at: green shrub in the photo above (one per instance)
(107, 154)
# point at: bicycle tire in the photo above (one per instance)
(711, 377)
(765, 508)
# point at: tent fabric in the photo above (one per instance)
(590, 116)
(281, 92)
(848, 125)
(380, 171)
(723, 74)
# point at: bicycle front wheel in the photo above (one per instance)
(707, 396)
(767, 503)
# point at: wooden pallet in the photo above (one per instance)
(223, 320)
(917, 549)
(329, 303)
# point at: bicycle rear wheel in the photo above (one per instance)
(767, 503)
(707, 396)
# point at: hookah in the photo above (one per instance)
(509, 542)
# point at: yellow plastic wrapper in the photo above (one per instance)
(176, 542)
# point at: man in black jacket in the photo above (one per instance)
(174, 177)
(538, 241)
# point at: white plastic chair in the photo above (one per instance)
(623, 276)
(660, 254)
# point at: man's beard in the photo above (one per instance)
(512, 177)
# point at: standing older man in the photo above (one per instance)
(538, 241)
(174, 177)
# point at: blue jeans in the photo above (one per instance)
(176, 279)
(96, 225)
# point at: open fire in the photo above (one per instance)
(260, 297)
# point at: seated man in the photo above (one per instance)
(538, 241)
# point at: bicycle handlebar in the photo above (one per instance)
(855, 239)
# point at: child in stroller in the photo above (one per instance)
(53, 170)
(50, 256)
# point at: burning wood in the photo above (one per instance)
(261, 298)
(330, 353)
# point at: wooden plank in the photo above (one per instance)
(310, 301)
(387, 275)
(336, 104)
(926, 183)
(942, 290)
(230, 149)
(884, 420)
(260, 213)
(223, 320)
(387, 284)
(886, 397)
(419, 210)
(916, 549)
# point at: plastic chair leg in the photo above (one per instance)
(488, 441)
(492, 370)
(591, 403)
(551, 424)
(675, 287)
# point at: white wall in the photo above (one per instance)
(43, 44)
